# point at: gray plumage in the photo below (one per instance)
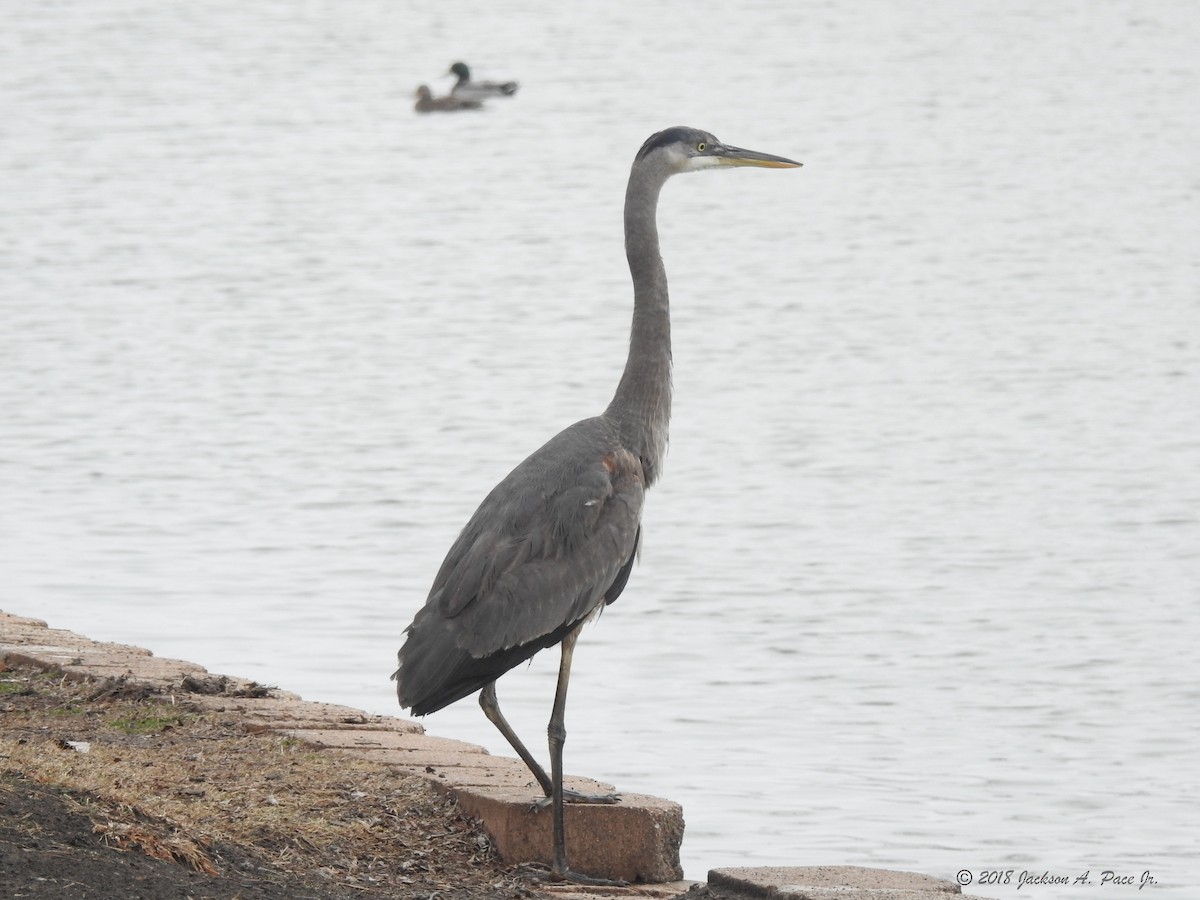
(554, 542)
(538, 557)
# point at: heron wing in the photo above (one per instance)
(547, 548)
(551, 562)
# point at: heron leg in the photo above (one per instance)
(491, 709)
(557, 733)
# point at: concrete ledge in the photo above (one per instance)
(832, 883)
(636, 840)
(285, 713)
(32, 640)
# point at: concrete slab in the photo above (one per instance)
(467, 775)
(32, 640)
(398, 742)
(635, 840)
(279, 713)
(832, 883)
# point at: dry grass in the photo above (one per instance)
(177, 784)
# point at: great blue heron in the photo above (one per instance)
(478, 90)
(427, 103)
(554, 542)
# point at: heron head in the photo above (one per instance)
(691, 149)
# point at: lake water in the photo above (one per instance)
(919, 586)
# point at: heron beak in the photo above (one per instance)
(736, 156)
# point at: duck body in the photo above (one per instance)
(427, 103)
(467, 89)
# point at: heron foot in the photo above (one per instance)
(572, 796)
(579, 878)
(568, 875)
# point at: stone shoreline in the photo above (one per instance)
(636, 840)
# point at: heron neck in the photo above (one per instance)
(642, 404)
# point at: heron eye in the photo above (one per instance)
(701, 146)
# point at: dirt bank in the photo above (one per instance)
(113, 790)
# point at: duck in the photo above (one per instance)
(478, 90)
(427, 103)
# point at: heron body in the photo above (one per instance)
(427, 103)
(547, 547)
(467, 89)
(555, 540)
